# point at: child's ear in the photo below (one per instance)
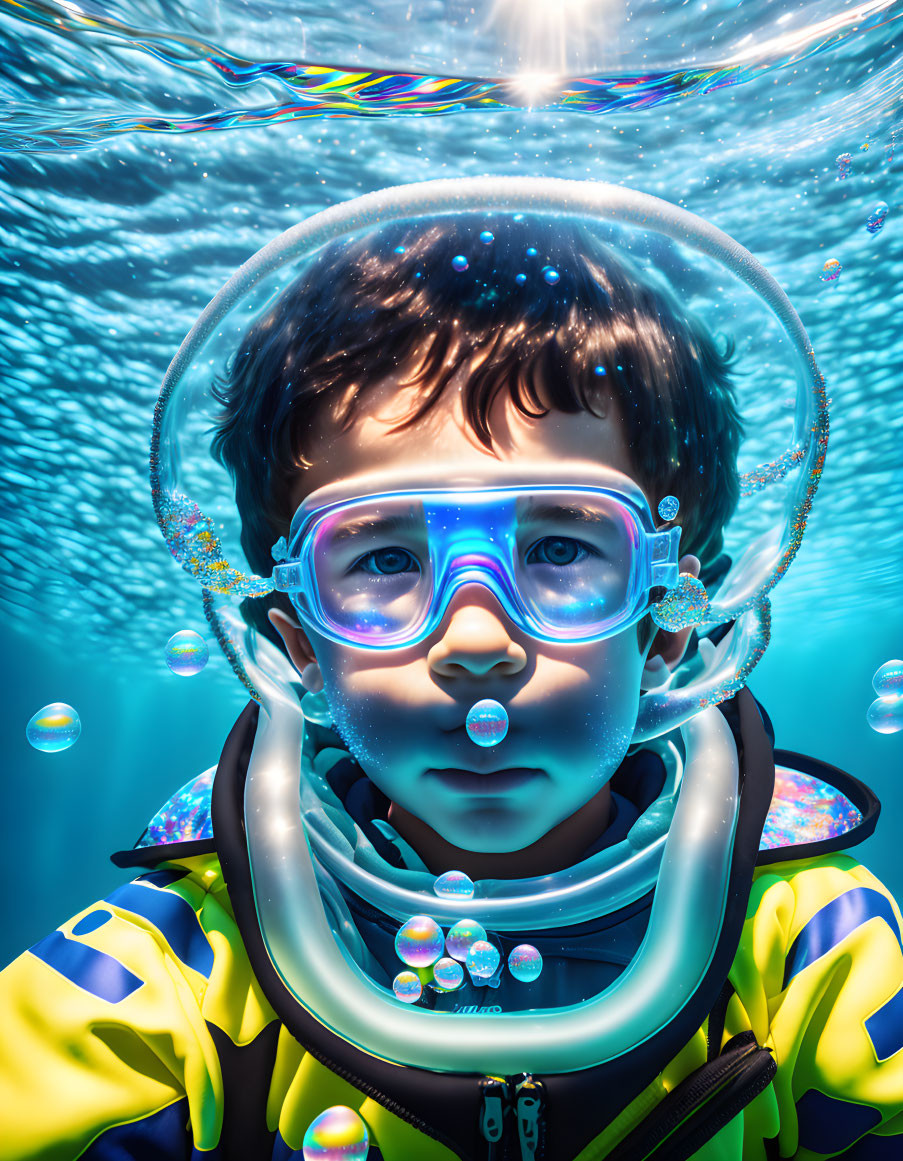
(296, 642)
(667, 649)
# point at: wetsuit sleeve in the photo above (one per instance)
(826, 943)
(105, 1053)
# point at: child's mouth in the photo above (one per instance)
(490, 782)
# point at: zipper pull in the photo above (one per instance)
(529, 1100)
(493, 1107)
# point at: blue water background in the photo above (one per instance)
(110, 248)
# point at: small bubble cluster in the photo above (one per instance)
(844, 163)
(53, 728)
(525, 963)
(487, 722)
(682, 607)
(888, 678)
(875, 222)
(885, 715)
(831, 270)
(407, 987)
(454, 885)
(338, 1134)
(192, 541)
(467, 945)
(419, 941)
(186, 653)
(669, 507)
(482, 959)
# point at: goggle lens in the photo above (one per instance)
(568, 563)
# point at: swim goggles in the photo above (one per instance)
(566, 562)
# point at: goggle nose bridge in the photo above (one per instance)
(476, 568)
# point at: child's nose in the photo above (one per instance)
(475, 638)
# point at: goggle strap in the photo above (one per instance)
(665, 550)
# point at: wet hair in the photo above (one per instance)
(561, 320)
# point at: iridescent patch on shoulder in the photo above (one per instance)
(185, 817)
(805, 810)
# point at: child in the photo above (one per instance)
(394, 404)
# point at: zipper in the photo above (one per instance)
(702, 1104)
(518, 1099)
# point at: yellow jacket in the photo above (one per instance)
(140, 1029)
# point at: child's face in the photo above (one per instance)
(401, 712)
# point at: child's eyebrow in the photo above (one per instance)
(376, 524)
(537, 511)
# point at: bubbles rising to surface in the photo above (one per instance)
(419, 941)
(525, 963)
(487, 722)
(669, 507)
(461, 937)
(885, 715)
(888, 678)
(482, 959)
(338, 1134)
(54, 728)
(186, 653)
(454, 885)
(407, 987)
(448, 974)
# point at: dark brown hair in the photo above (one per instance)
(560, 318)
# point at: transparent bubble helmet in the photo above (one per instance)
(781, 400)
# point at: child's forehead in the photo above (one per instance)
(442, 450)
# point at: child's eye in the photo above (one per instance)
(558, 550)
(386, 562)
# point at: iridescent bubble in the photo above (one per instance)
(830, 272)
(460, 262)
(407, 987)
(486, 237)
(419, 941)
(885, 715)
(448, 974)
(462, 937)
(685, 605)
(876, 218)
(186, 653)
(399, 249)
(843, 161)
(454, 885)
(599, 370)
(54, 728)
(888, 678)
(669, 507)
(482, 959)
(338, 1134)
(525, 963)
(551, 275)
(532, 251)
(520, 279)
(486, 722)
